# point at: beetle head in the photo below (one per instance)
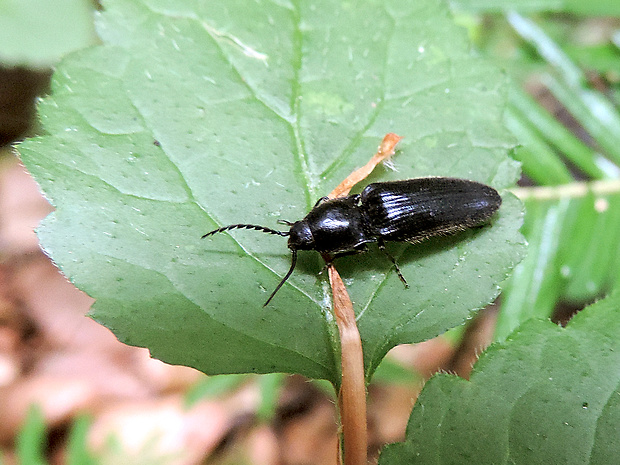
(300, 237)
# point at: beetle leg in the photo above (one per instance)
(381, 246)
(362, 249)
(329, 259)
(321, 200)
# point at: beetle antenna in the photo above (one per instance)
(247, 226)
(288, 274)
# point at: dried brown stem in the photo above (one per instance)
(386, 150)
(352, 398)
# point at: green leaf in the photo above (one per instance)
(589, 253)
(214, 386)
(524, 108)
(38, 33)
(391, 371)
(603, 58)
(77, 447)
(270, 387)
(32, 439)
(546, 395)
(540, 162)
(590, 108)
(591, 8)
(536, 284)
(191, 117)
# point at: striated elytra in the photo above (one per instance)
(411, 210)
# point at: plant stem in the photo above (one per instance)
(572, 190)
(385, 150)
(352, 398)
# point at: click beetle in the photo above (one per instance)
(411, 210)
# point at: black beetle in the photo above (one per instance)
(411, 211)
